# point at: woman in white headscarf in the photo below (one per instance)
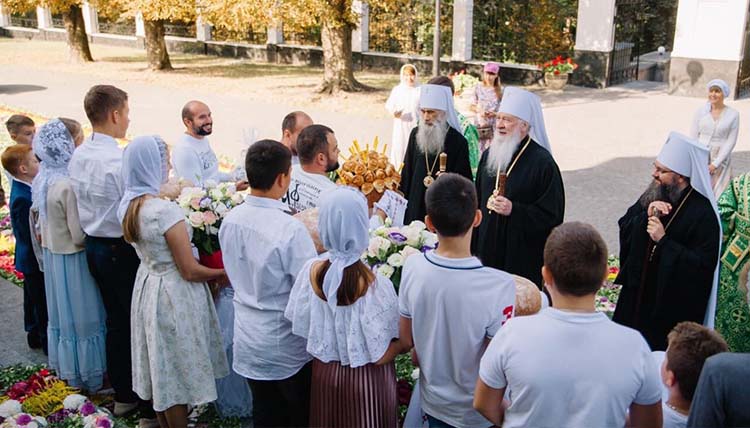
(76, 333)
(349, 316)
(176, 341)
(716, 126)
(403, 104)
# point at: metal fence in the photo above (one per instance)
(122, 26)
(251, 35)
(180, 29)
(306, 37)
(57, 21)
(26, 21)
(407, 26)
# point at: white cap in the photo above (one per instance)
(689, 158)
(527, 107)
(439, 97)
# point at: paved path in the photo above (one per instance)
(12, 336)
(603, 140)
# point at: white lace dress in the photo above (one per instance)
(176, 340)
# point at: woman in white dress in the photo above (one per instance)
(176, 341)
(403, 104)
(716, 125)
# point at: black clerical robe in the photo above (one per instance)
(673, 284)
(415, 170)
(515, 243)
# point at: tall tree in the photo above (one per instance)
(336, 18)
(78, 42)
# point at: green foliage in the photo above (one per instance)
(392, 30)
(16, 373)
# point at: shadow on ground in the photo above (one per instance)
(19, 89)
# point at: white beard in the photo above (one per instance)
(501, 152)
(431, 139)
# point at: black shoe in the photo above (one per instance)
(33, 340)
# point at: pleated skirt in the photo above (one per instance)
(342, 396)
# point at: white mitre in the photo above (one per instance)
(527, 107)
(439, 97)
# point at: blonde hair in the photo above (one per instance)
(131, 229)
(73, 126)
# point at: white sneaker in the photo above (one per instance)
(122, 409)
(148, 423)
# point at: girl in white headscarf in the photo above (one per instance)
(175, 337)
(716, 125)
(76, 333)
(403, 104)
(349, 316)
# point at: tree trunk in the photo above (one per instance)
(156, 47)
(78, 41)
(337, 58)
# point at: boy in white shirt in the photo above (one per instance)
(451, 306)
(569, 366)
(690, 345)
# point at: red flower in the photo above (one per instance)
(557, 72)
(403, 392)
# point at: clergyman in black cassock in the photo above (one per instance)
(514, 241)
(437, 102)
(669, 279)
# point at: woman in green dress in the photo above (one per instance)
(733, 305)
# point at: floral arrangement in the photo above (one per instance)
(463, 81)
(205, 208)
(76, 411)
(606, 297)
(369, 171)
(8, 249)
(10, 375)
(38, 381)
(559, 65)
(406, 378)
(391, 246)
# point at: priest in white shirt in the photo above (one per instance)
(291, 127)
(192, 157)
(318, 152)
(96, 179)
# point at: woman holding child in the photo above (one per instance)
(349, 316)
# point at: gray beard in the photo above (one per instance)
(660, 192)
(431, 139)
(501, 152)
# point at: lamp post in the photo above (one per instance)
(436, 41)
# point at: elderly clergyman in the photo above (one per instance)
(438, 132)
(520, 189)
(669, 246)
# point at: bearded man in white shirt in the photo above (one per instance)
(318, 152)
(96, 178)
(192, 157)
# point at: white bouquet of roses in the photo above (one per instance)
(391, 246)
(205, 208)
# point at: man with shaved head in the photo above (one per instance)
(192, 157)
(291, 126)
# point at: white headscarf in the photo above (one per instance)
(401, 75)
(343, 225)
(724, 86)
(144, 170)
(689, 158)
(527, 107)
(54, 146)
(439, 97)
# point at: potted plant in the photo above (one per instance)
(556, 72)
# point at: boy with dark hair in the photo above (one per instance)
(569, 366)
(264, 250)
(451, 305)
(690, 345)
(20, 162)
(21, 130)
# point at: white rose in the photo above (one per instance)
(418, 225)
(74, 401)
(381, 231)
(429, 239)
(220, 208)
(386, 270)
(10, 408)
(216, 194)
(237, 199)
(196, 219)
(413, 235)
(415, 374)
(377, 244)
(205, 203)
(210, 184)
(396, 260)
(408, 252)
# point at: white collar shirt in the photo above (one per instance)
(264, 250)
(96, 179)
(193, 159)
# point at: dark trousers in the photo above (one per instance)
(282, 403)
(35, 306)
(113, 264)
(437, 423)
